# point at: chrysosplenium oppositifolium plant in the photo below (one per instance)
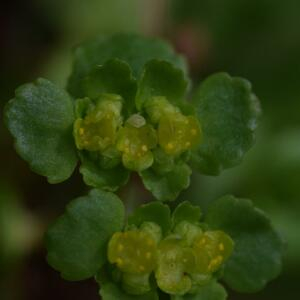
(125, 110)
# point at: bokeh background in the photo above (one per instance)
(256, 39)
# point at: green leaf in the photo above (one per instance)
(185, 211)
(153, 212)
(40, 118)
(131, 48)
(212, 291)
(167, 186)
(228, 113)
(110, 291)
(161, 78)
(257, 254)
(106, 179)
(114, 77)
(77, 241)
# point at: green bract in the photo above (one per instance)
(129, 114)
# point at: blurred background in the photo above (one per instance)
(255, 39)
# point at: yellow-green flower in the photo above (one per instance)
(175, 263)
(135, 255)
(178, 133)
(97, 130)
(211, 250)
(136, 139)
(133, 251)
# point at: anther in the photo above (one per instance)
(221, 247)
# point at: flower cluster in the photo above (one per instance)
(101, 128)
(182, 261)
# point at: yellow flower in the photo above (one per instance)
(97, 130)
(135, 141)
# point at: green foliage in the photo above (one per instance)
(110, 291)
(186, 212)
(131, 48)
(228, 112)
(129, 114)
(167, 186)
(113, 77)
(153, 212)
(161, 78)
(77, 241)
(258, 248)
(108, 179)
(212, 291)
(40, 118)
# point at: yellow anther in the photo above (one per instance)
(119, 261)
(170, 146)
(144, 148)
(141, 268)
(81, 131)
(187, 144)
(148, 255)
(150, 242)
(219, 258)
(202, 241)
(193, 131)
(221, 247)
(120, 247)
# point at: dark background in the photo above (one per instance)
(256, 39)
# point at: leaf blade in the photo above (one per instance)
(40, 118)
(77, 241)
(257, 254)
(228, 112)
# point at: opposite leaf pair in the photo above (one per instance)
(131, 107)
(90, 239)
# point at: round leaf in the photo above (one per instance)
(185, 211)
(77, 241)
(113, 77)
(106, 179)
(153, 212)
(110, 291)
(228, 113)
(167, 186)
(161, 78)
(40, 118)
(212, 291)
(131, 48)
(257, 254)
